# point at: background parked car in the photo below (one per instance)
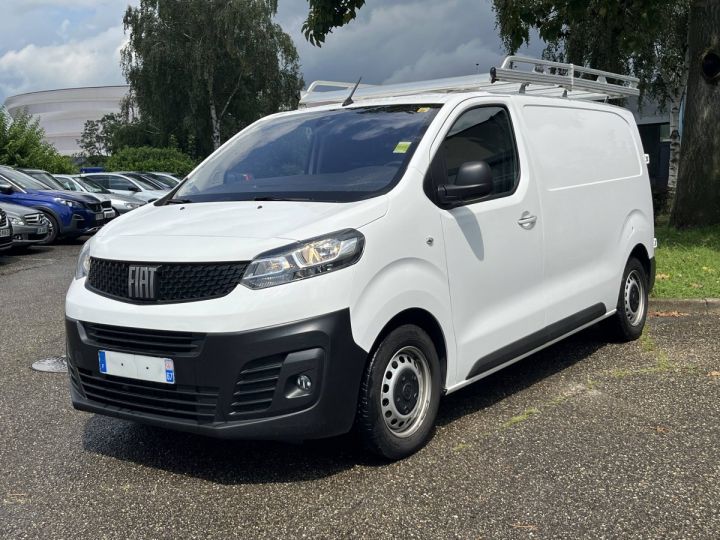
(165, 179)
(120, 203)
(70, 215)
(44, 178)
(29, 225)
(6, 231)
(138, 187)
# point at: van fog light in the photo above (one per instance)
(304, 382)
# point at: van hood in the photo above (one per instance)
(225, 231)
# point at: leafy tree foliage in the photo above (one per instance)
(22, 144)
(148, 158)
(663, 42)
(113, 132)
(201, 70)
(645, 38)
(325, 15)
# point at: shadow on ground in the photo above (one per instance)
(243, 462)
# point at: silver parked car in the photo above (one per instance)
(122, 184)
(120, 203)
(29, 226)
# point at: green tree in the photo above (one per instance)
(324, 15)
(22, 144)
(664, 42)
(148, 158)
(646, 38)
(201, 70)
(698, 195)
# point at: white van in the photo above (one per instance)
(349, 264)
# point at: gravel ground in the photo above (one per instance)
(584, 440)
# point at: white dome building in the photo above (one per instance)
(63, 113)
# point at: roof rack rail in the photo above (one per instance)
(568, 76)
(544, 78)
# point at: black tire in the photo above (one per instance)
(404, 369)
(632, 308)
(53, 230)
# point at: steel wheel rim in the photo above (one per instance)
(405, 392)
(634, 298)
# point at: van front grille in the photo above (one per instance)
(142, 341)
(174, 282)
(255, 386)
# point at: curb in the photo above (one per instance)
(702, 306)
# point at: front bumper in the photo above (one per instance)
(230, 385)
(85, 223)
(7, 240)
(25, 235)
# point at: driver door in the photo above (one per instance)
(494, 246)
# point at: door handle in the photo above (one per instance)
(527, 221)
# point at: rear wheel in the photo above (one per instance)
(400, 394)
(53, 230)
(632, 307)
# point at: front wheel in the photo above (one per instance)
(632, 308)
(400, 394)
(53, 230)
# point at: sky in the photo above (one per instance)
(49, 44)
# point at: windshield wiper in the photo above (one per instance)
(273, 198)
(178, 201)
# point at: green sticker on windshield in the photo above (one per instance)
(402, 147)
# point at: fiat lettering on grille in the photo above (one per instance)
(141, 282)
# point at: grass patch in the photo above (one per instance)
(521, 417)
(688, 262)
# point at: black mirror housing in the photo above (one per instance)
(6, 189)
(474, 181)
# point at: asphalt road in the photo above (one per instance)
(584, 440)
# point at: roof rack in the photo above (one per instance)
(543, 78)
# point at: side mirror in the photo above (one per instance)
(474, 181)
(134, 189)
(6, 189)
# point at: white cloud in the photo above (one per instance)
(88, 62)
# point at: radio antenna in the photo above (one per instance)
(349, 99)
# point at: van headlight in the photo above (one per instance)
(83, 263)
(305, 259)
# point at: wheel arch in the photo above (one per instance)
(427, 322)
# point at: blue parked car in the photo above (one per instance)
(70, 214)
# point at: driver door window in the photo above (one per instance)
(484, 134)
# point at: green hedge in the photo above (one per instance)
(146, 158)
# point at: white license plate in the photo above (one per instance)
(109, 213)
(100, 216)
(42, 230)
(135, 366)
(4, 233)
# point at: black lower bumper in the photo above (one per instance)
(235, 385)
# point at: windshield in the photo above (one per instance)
(162, 180)
(23, 180)
(341, 155)
(145, 183)
(45, 178)
(91, 185)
